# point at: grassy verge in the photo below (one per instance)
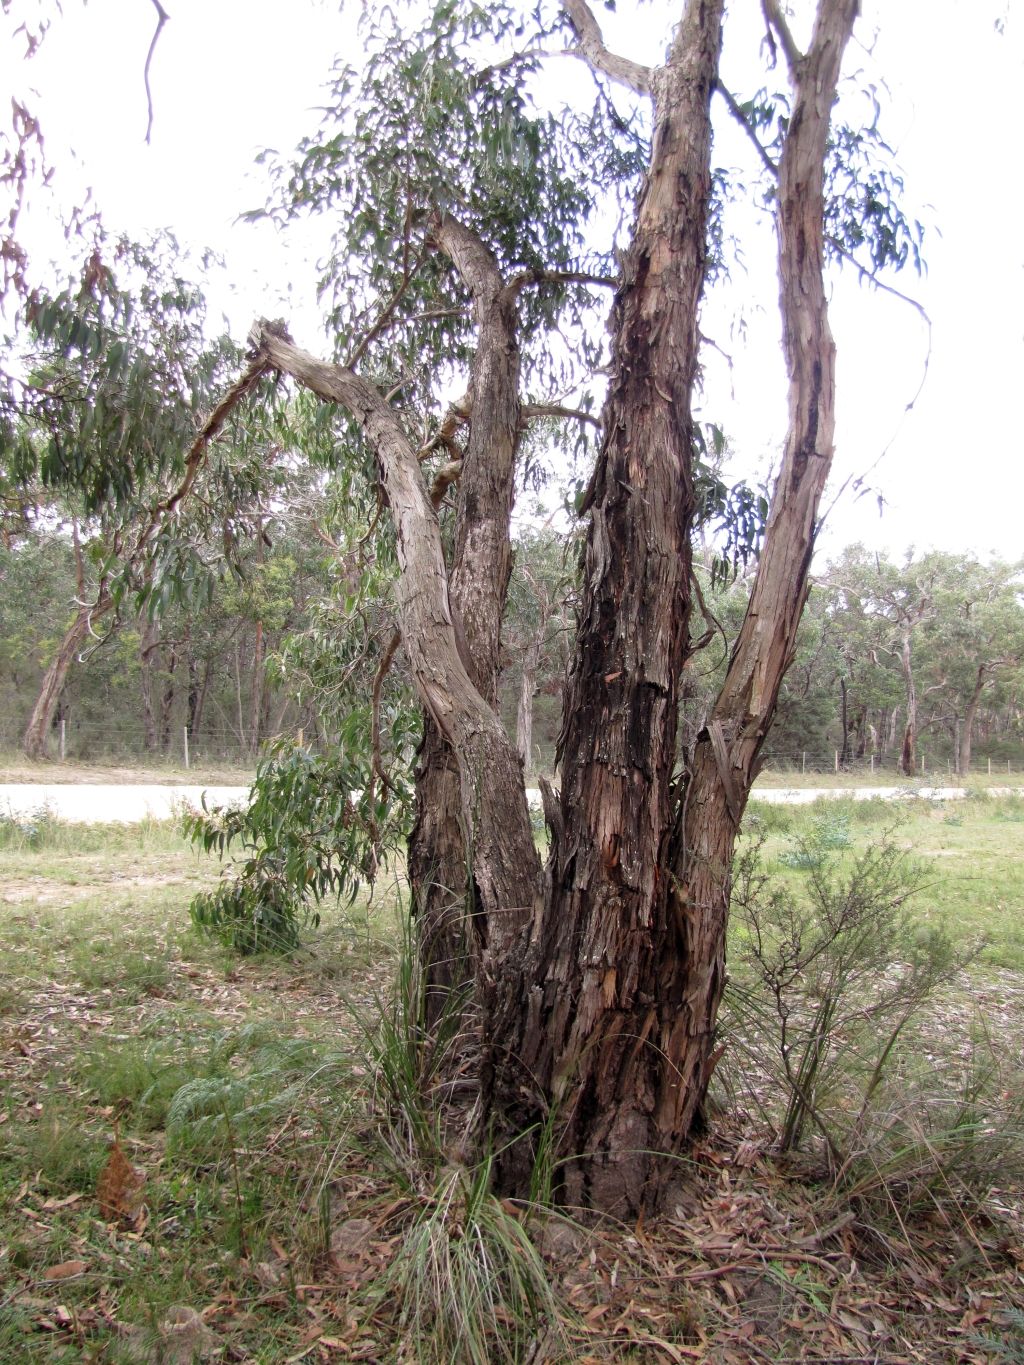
(850, 778)
(281, 1222)
(974, 850)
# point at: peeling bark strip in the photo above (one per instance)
(493, 799)
(581, 1021)
(727, 754)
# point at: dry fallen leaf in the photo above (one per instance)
(119, 1187)
(61, 1203)
(65, 1270)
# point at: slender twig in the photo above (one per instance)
(529, 411)
(528, 277)
(162, 17)
(385, 318)
(858, 483)
(746, 125)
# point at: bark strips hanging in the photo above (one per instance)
(579, 1020)
(727, 753)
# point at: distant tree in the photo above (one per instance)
(974, 640)
(115, 416)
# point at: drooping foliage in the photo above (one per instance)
(445, 115)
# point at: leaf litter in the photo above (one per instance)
(748, 1261)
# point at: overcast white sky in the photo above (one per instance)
(230, 78)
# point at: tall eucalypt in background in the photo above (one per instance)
(119, 419)
(462, 262)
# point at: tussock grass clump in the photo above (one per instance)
(471, 1285)
(43, 831)
(59, 1153)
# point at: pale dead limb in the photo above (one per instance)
(530, 411)
(493, 798)
(593, 51)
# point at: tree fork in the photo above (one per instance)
(727, 754)
(492, 798)
(573, 1031)
(479, 574)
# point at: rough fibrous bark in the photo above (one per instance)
(726, 756)
(579, 1024)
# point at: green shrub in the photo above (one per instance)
(830, 974)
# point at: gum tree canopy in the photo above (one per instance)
(465, 264)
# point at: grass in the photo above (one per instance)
(113, 1012)
(861, 775)
(243, 1092)
(974, 850)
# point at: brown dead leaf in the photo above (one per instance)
(747, 1154)
(120, 1188)
(65, 1270)
(62, 1203)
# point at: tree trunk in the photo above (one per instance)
(963, 759)
(846, 729)
(571, 1032)
(524, 713)
(908, 753)
(149, 657)
(726, 757)
(197, 719)
(479, 575)
(167, 701)
(39, 723)
(860, 730)
(503, 860)
(256, 709)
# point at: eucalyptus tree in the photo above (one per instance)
(463, 266)
(974, 641)
(891, 605)
(109, 408)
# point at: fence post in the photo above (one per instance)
(837, 760)
(185, 737)
(63, 736)
(803, 765)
